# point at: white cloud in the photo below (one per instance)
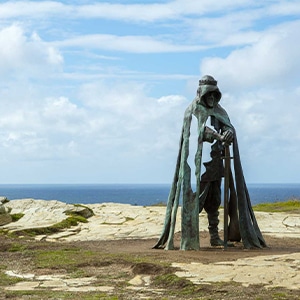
(230, 26)
(225, 29)
(146, 12)
(32, 9)
(152, 12)
(272, 60)
(282, 7)
(172, 99)
(110, 116)
(40, 130)
(22, 54)
(125, 107)
(133, 44)
(63, 116)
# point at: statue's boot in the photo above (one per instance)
(213, 222)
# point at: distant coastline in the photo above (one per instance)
(135, 194)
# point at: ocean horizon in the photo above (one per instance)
(134, 194)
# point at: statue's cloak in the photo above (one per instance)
(243, 225)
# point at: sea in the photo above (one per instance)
(134, 194)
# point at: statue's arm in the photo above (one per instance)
(210, 135)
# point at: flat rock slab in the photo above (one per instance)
(56, 283)
(123, 221)
(37, 213)
(270, 271)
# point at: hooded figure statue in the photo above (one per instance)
(242, 225)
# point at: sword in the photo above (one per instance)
(226, 192)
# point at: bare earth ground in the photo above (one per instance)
(119, 261)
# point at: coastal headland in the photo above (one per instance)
(133, 230)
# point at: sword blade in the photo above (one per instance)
(226, 193)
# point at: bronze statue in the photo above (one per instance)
(242, 225)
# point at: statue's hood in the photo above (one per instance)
(204, 89)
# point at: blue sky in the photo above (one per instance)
(95, 91)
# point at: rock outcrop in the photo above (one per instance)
(5, 217)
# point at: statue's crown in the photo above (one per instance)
(207, 82)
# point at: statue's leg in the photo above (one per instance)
(211, 206)
(213, 222)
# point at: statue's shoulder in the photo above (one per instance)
(220, 110)
(221, 114)
(191, 108)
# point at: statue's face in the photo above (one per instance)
(210, 99)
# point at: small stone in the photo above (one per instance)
(81, 211)
(137, 280)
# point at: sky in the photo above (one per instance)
(95, 91)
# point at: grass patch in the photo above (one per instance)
(16, 217)
(290, 206)
(179, 287)
(17, 247)
(171, 280)
(48, 294)
(68, 259)
(64, 224)
(6, 280)
(160, 203)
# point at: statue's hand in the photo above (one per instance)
(227, 136)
